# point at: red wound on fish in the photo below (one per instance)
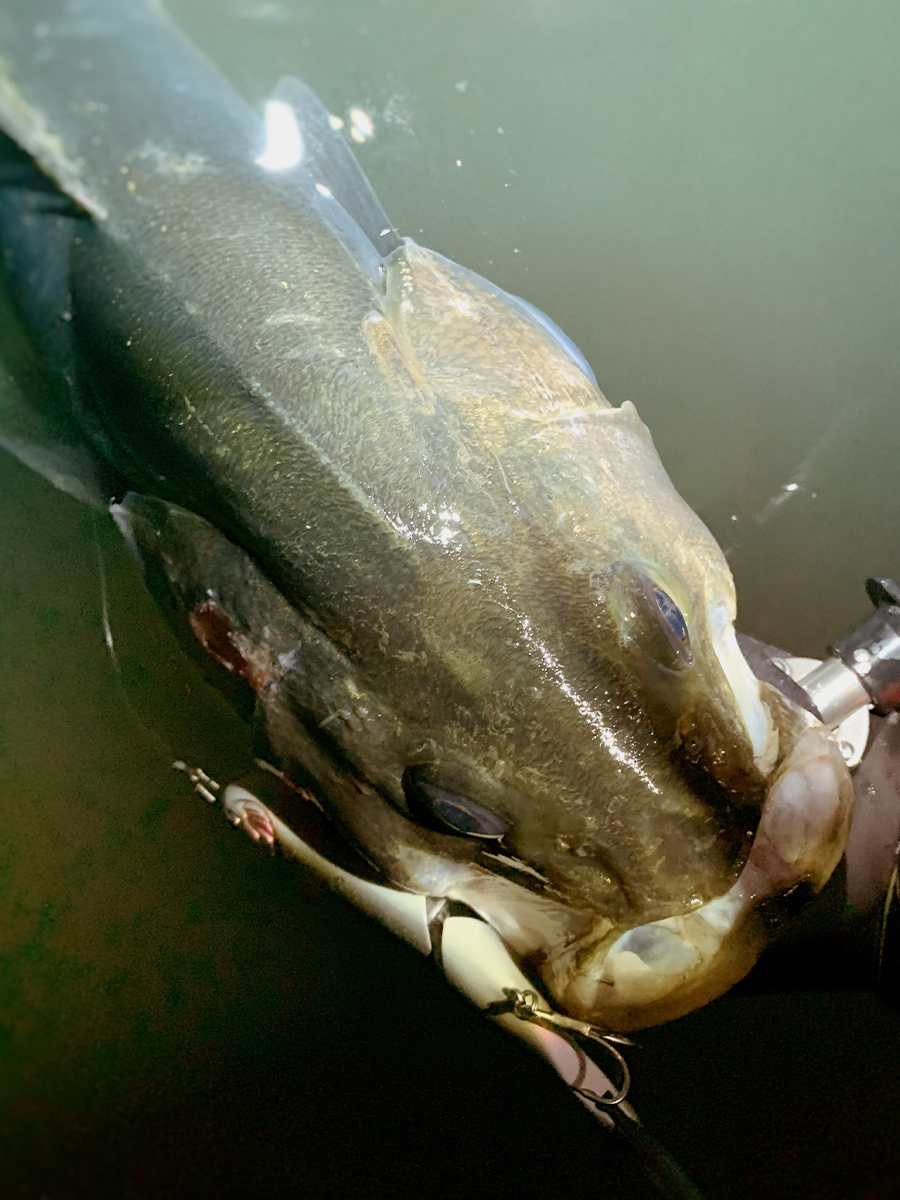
(228, 645)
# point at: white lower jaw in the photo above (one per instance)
(654, 972)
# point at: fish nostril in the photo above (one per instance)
(448, 812)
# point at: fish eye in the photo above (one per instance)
(448, 812)
(674, 624)
(651, 621)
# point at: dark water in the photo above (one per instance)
(704, 195)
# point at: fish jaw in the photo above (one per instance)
(754, 712)
(658, 971)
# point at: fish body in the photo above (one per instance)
(475, 614)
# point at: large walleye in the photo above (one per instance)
(477, 617)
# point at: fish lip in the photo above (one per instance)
(647, 973)
(754, 712)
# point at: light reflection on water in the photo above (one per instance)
(704, 198)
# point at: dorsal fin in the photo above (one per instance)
(332, 164)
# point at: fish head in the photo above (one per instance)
(616, 756)
(581, 713)
(530, 700)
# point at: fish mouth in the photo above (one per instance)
(661, 970)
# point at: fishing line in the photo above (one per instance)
(104, 595)
(140, 721)
(661, 1169)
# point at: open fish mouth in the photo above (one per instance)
(657, 971)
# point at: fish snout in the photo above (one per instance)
(630, 978)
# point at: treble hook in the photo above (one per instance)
(524, 1005)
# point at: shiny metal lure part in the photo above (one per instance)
(861, 672)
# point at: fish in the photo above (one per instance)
(473, 616)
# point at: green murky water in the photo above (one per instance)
(704, 195)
